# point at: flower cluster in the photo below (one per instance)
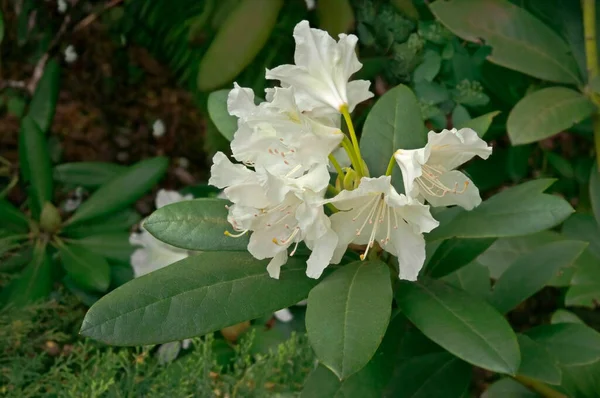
(288, 146)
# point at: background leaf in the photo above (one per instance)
(335, 16)
(122, 191)
(112, 246)
(217, 110)
(537, 363)
(595, 191)
(531, 272)
(455, 253)
(198, 295)
(347, 315)
(43, 103)
(465, 326)
(519, 41)
(87, 269)
(12, 218)
(571, 343)
(115, 222)
(394, 122)
(198, 224)
(480, 124)
(87, 174)
(547, 112)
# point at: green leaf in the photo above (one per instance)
(87, 174)
(480, 124)
(115, 222)
(531, 272)
(571, 343)
(15, 261)
(519, 41)
(508, 388)
(506, 251)
(467, 327)
(113, 246)
(36, 167)
(394, 122)
(583, 227)
(43, 103)
(347, 315)
(537, 363)
(217, 110)
(123, 190)
(34, 283)
(198, 224)
(87, 269)
(335, 16)
(585, 283)
(455, 253)
(519, 210)
(429, 68)
(1, 26)
(198, 295)
(581, 381)
(564, 316)
(239, 39)
(12, 218)
(595, 191)
(547, 112)
(474, 279)
(432, 93)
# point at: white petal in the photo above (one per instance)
(153, 254)
(466, 196)
(358, 91)
(165, 197)
(452, 148)
(322, 252)
(283, 315)
(223, 173)
(410, 162)
(409, 247)
(275, 264)
(240, 101)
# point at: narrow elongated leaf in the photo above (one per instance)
(198, 224)
(467, 327)
(480, 124)
(395, 122)
(537, 363)
(87, 269)
(43, 103)
(531, 272)
(519, 41)
(12, 218)
(198, 295)
(34, 283)
(456, 253)
(87, 174)
(238, 40)
(15, 261)
(595, 192)
(122, 191)
(547, 112)
(347, 315)
(116, 222)
(36, 167)
(519, 210)
(571, 343)
(217, 110)
(113, 246)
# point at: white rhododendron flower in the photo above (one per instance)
(322, 72)
(429, 173)
(375, 213)
(153, 254)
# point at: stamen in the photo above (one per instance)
(379, 211)
(295, 247)
(287, 240)
(431, 175)
(227, 233)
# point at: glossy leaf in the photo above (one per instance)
(564, 316)
(480, 124)
(198, 224)
(504, 388)
(116, 222)
(113, 246)
(537, 363)
(547, 112)
(34, 283)
(239, 39)
(571, 343)
(198, 295)
(36, 167)
(43, 103)
(347, 315)
(583, 227)
(394, 122)
(585, 283)
(519, 210)
(519, 41)
(473, 278)
(87, 269)
(429, 67)
(217, 110)
(467, 327)
(531, 272)
(335, 16)
(122, 191)
(455, 253)
(595, 192)
(87, 174)
(12, 218)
